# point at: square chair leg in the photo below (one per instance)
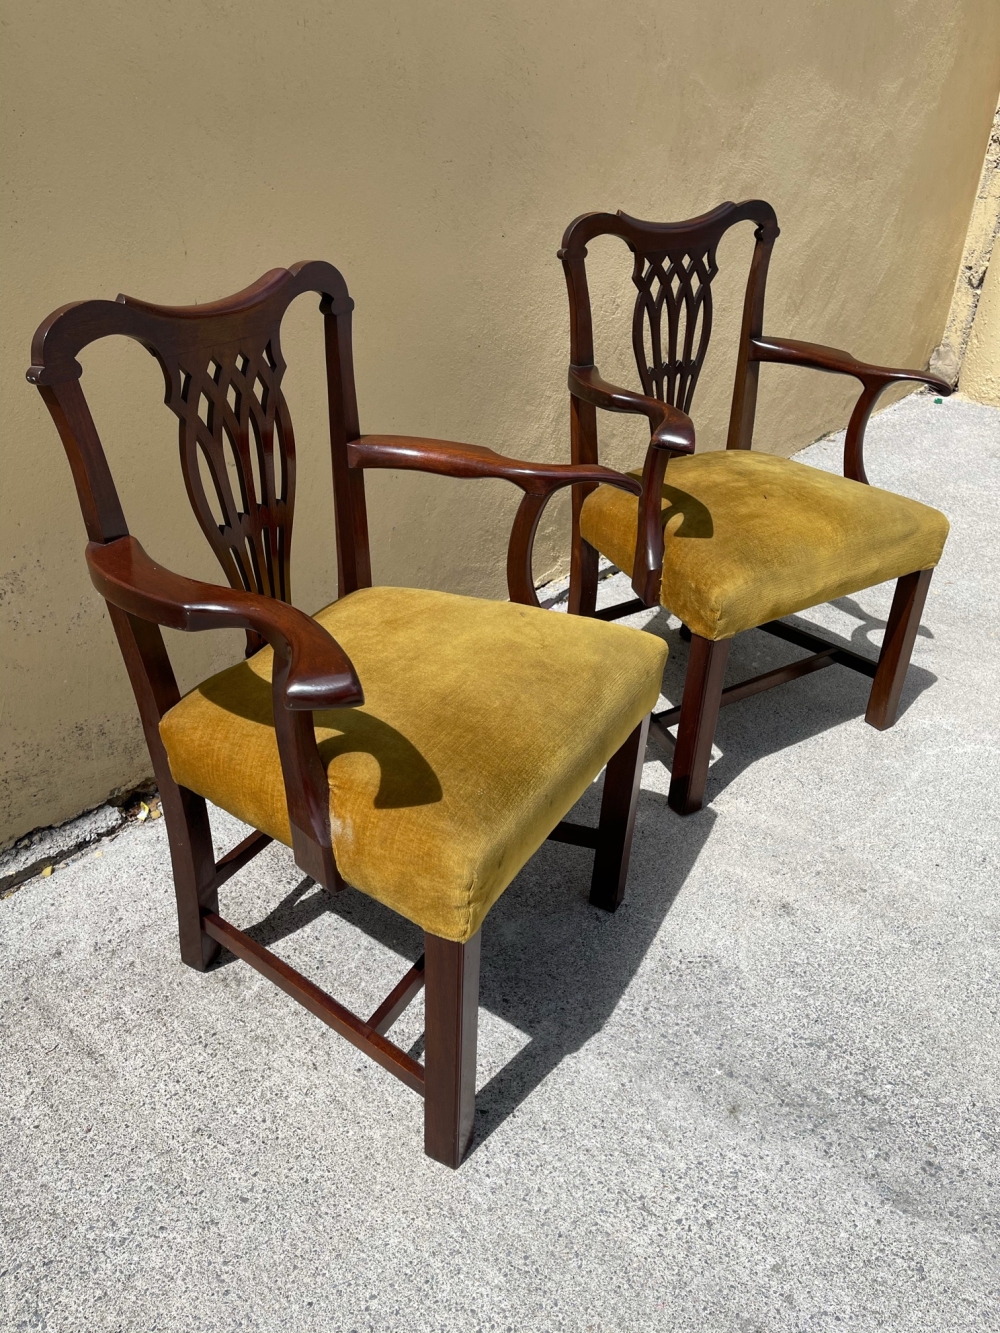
(696, 730)
(193, 860)
(583, 571)
(894, 659)
(621, 794)
(451, 1025)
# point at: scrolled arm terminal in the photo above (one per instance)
(320, 674)
(670, 428)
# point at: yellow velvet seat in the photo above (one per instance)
(483, 724)
(750, 537)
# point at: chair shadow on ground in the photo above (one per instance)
(553, 966)
(781, 718)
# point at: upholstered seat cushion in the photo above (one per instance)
(750, 537)
(483, 723)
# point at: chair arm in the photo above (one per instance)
(449, 459)
(874, 380)
(539, 481)
(320, 674)
(813, 356)
(670, 428)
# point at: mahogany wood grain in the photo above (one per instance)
(696, 728)
(399, 998)
(674, 265)
(332, 1012)
(240, 855)
(451, 1008)
(579, 835)
(584, 569)
(538, 481)
(189, 836)
(319, 673)
(670, 428)
(755, 685)
(673, 268)
(804, 639)
(618, 805)
(897, 645)
(222, 366)
(621, 610)
(874, 380)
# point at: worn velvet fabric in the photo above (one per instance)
(750, 537)
(483, 723)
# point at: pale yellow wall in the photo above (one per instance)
(984, 222)
(434, 151)
(980, 377)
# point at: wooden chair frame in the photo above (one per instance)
(674, 264)
(222, 367)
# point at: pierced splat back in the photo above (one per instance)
(678, 287)
(674, 265)
(234, 422)
(223, 367)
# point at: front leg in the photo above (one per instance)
(451, 1029)
(618, 804)
(696, 730)
(894, 659)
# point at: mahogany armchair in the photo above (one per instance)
(417, 745)
(732, 540)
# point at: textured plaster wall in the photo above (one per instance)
(434, 151)
(980, 377)
(980, 239)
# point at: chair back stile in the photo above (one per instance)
(222, 367)
(445, 696)
(674, 265)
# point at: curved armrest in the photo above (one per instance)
(320, 674)
(670, 428)
(539, 481)
(813, 356)
(449, 459)
(874, 380)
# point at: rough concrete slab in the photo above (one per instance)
(46, 847)
(761, 1098)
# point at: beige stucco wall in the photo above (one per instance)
(434, 151)
(984, 222)
(980, 377)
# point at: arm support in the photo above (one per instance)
(874, 380)
(670, 428)
(311, 670)
(671, 432)
(538, 481)
(320, 674)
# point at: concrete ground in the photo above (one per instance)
(762, 1098)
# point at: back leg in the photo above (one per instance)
(584, 561)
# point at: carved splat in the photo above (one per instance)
(674, 264)
(672, 321)
(238, 458)
(223, 368)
